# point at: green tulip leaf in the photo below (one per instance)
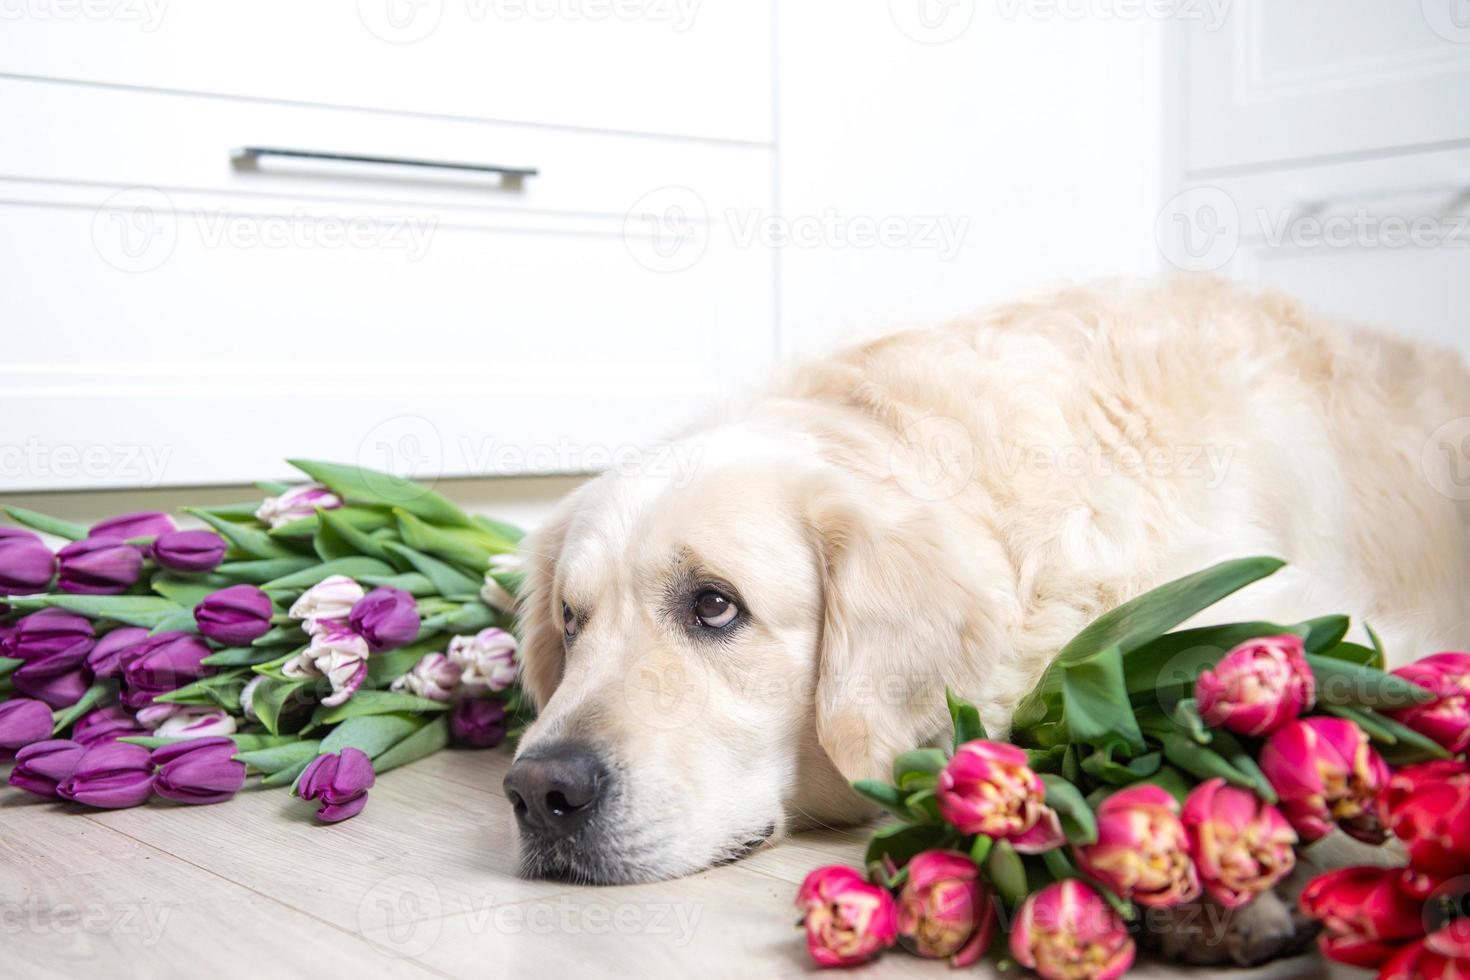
(357, 485)
(900, 842)
(1095, 705)
(891, 798)
(1078, 821)
(146, 611)
(1342, 682)
(447, 579)
(55, 526)
(270, 697)
(1007, 873)
(366, 702)
(303, 579)
(93, 696)
(965, 718)
(250, 542)
(273, 759)
(426, 741)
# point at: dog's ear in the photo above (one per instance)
(898, 622)
(543, 650)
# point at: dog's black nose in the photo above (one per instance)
(555, 789)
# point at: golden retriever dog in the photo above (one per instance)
(717, 653)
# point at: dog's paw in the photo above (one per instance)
(1205, 933)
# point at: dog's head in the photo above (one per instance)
(716, 653)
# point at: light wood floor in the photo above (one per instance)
(420, 885)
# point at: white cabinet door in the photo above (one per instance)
(685, 67)
(1292, 80)
(160, 304)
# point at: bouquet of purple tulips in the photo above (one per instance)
(328, 633)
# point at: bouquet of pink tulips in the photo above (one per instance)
(1153, 768)
(330, 632)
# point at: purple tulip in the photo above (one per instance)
(98, 566)
(41, 766)
(111, 775)
(478, 723)
(386, 617)
(235, 616)
(190, 551)
(340, 781)
(23, 721)
(106, 725)
(201, 770)
(127, 527)
(164, 663)
(46, 632)
(26, 564)
(115, 651)
(59, 679)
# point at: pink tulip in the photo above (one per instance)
(1366, 913)
(1257, 687)
(1142, 850)
(944, 910)
(1442, 955)
(848, 921)
(1326, 773)
(1067, 931)
(1447, 718)
(987, 788)
(1241, 846)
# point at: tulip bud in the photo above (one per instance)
(111, 775)
(164, 663)
(190, 551)
(505, 569)
(128, 527)
(194, 722)
(1142, 851)
(487, 660)
(47, 631)
(236, 616)
(434, 677)
(202, 770)
(944, 910)
(1241, 846)
(1067, 931)
(1325, 772)
(296, 504)
(1446, 719)
(26, 564)
(477, 723)
(340, 781)
(1429, 810)
(987, 788)
(98, 566)
(339, 655)
(23, 721)
(115, 651)
(59, 679)
(848, 921)
(1257, 687)
(1366, 913)
(1442, 954)
(386, 617)
(330, 599)
(41, 766)
(105, 725)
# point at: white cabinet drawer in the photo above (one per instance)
(1277, 82)
(164, 302)
(686, 67)
(102, 136)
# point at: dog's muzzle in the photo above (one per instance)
(556, 789)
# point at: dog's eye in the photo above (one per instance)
(568, 620)
(715, 610)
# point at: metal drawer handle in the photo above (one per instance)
(248, 155)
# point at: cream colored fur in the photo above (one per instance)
(948, 506)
